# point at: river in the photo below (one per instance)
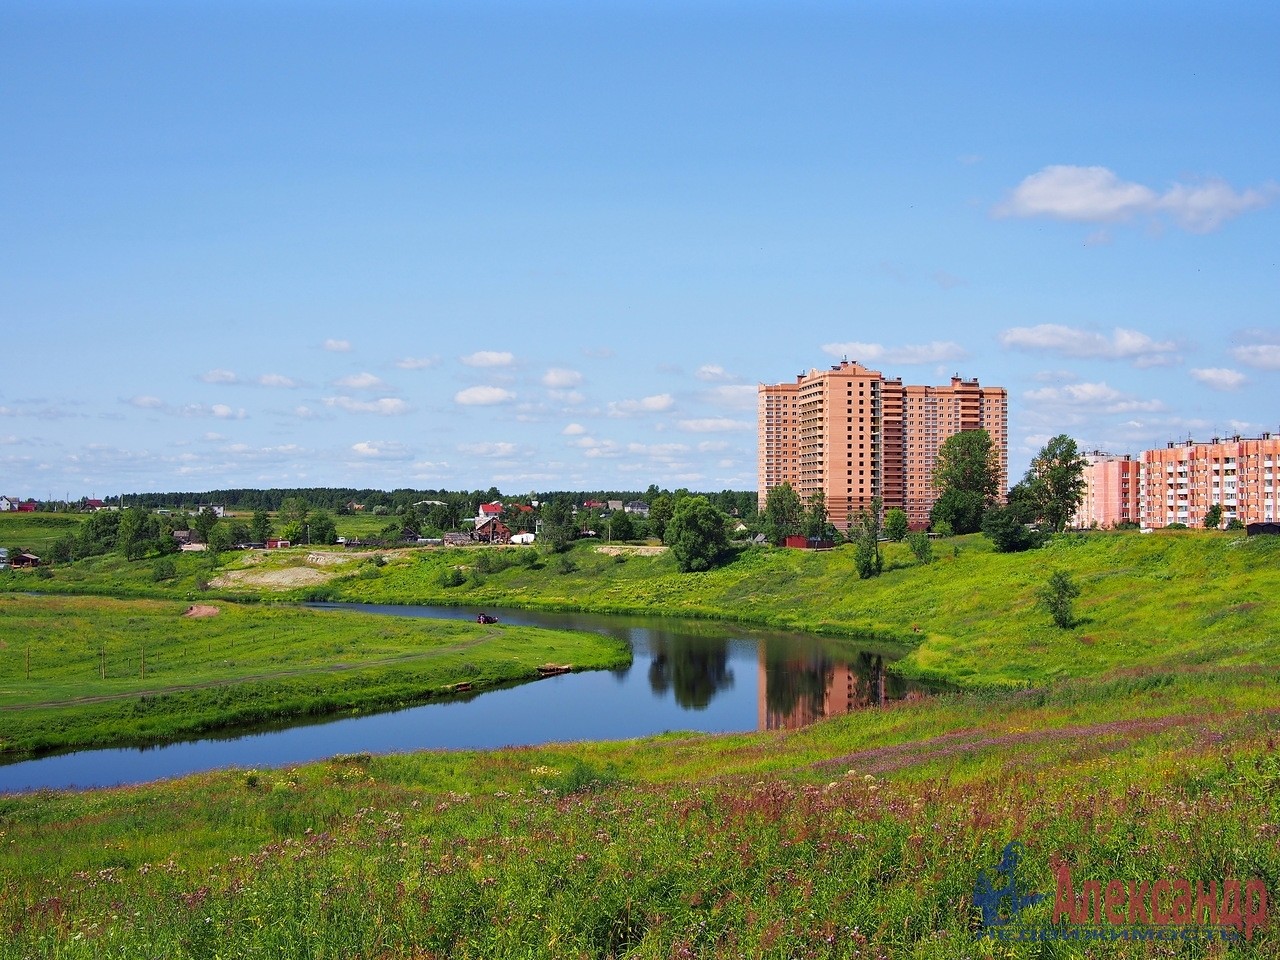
(686, 675)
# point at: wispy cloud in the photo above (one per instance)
(483, 396)
(489, 358)
(629, 408)
(715, 425)
(219, 376)
(278, 380)
(383, 406)
(936, 351)
(381, 450)
(1263, 356)
(1096, 195)
(337, 346)
(417, 363)
(1219, 378)
(1098, 397)
(497, 450)
(713, 373)
(360, 381)
(1131, 345)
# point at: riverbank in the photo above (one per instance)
(90, 671)
(970, 618)
(860, 836)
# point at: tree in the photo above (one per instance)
(293, 510)
(660, 511)
(136, 533)
(323, 529)
(697, 534)
(260, 527)
(783, 514)
(1005, 527)
(621, 526)
(1213, 517)
(815, 516)
(1056, 480)
(866, 537)
(896, 526)
(204, 523)
(967, 477)
(1057, 596)
(921, 546)
(558, 529)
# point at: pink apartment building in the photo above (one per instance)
(1182, 481)
(855, 435)
(1111, 491)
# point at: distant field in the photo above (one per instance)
(37, 532)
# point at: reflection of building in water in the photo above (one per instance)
(798, 691)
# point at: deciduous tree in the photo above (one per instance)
(967, 477)
(697, 534)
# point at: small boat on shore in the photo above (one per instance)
(486, 618)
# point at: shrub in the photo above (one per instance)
(1058, 596)
(921, 546)
(453, 577)
(565, 564)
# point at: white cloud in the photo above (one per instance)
(146, 403)
(219, 376)
(494, 450)
(360, 381)
(1122, 344)
(936, 351)
(713, 373)
(655, 404)
(277, 380)
(224, 412)
(1094, 396)
(416, 363)
(737, 397)
(384, 406)
(715, 425)
(1096, 195)
(1264, 356)
(574, 430)
(381, 450)
(337, 346)
(489, 358)
(483, 396)
(559, 378)
(1219, 378)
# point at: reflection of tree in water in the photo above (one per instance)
(694, 667)
(796, 685)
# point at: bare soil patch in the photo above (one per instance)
(281, 579)
(614, 550)
(201, 610)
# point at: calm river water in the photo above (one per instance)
(686, 675)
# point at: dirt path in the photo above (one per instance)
(274, 675)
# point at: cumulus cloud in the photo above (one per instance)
(360, 381)
(655, 404)
(146, 402)
(1096, 195)
(381, 450)
(560, 378)
(494, 449)
(1121, 344)
(277, 380)
(219, 376)
(1219, 378)
(224, 412)
(416, 363)
(383, 406)
(1097, 397)
(483, 396)
(715, 425)
(1263, 356)
(337, 346)
(936, 351)
(574, 430)
(489, 358)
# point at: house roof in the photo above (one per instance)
(490, 509)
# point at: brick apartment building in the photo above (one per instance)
(853, 434)
(1181, 481)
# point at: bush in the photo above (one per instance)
(164, 569)
(921, 546)
(453, 577)
(1058, 596)
(565, 564)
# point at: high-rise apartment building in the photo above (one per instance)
(854, 435)
(1111, 491)
(1183, 480)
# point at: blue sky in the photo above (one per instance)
(548, 246)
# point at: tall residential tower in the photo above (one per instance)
(854, 435)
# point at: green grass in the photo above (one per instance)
(860, 836)
(37, 532)
(88, 671)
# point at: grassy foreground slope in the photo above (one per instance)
(859, 837)
(1147, 600)
(92, 671)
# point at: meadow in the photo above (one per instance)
(862, 836)
(94, 671)
(1137, 747)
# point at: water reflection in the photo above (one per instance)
(693, 668)
(799, 687)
